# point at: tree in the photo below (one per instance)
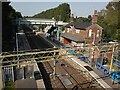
(9, 27)
(109, 20)
(62, 12)
(18, 15)
(89, 18)
(83, 19)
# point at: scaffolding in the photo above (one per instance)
(28, 57)
(25, 57)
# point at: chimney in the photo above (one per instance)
(95, 17)
(72, 17)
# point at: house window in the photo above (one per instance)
(98, 33)
(77, 31)
(90, 32)
(68, 30)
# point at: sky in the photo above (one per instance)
(80, 9)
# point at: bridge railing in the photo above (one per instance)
(40, 21)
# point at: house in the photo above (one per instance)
(77, 33)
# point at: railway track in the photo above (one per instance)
(65, 71)
(66, 76)
(80, 78)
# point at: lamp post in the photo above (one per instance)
(17, 46)
(111, 63)
(54, 69)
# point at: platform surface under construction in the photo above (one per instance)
(68, 77)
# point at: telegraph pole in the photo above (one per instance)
(113, 49)
(54, 69)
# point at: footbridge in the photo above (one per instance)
(40, 21)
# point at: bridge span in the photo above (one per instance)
(40, 21)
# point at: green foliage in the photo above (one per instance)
(9, 27)
(9, 85)
(83, 19)
(18, 15)
(61, 13)
(110, 21)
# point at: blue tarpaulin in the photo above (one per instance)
(116, 63)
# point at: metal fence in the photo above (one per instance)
(8, 74)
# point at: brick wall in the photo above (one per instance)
(94, 29)
(65, 41)
(84, 33)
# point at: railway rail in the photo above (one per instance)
(64, 71)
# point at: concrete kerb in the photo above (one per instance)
(92, 73)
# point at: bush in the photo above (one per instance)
(9, 85)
